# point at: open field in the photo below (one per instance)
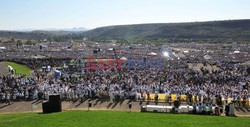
(118, 119)
(20, 69)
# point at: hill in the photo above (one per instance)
(231, 30)
(39, 35)
(118, 119)
(212, 31)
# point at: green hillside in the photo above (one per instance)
(213, 31)
(232, 30)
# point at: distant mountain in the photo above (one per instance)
(25, 35)
(212, 31)
(49, 34)
(75, 29)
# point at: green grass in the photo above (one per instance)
(20, 69)
(118, 119)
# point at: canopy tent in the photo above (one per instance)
(2, 48)
(152, 54)
(235, 52)
(110, 49)
(207, 57)
(123, 58)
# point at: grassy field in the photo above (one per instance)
(118, 119)
(20, 69)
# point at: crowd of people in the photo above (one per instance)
(229, 80)
(174, 78)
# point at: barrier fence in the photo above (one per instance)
(183, 98)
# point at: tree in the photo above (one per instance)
(12, 39)
(19, 43)
(29, 42)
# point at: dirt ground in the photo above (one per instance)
(3, 69)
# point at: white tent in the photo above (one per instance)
(152, 54)
(207, 57)
(123, 58)
(110, 49)
(235, 52)
(2, 48)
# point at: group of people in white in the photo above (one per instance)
(176, 78)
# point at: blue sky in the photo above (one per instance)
(42, 14)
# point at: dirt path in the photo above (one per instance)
(4, 69)
(36, 106)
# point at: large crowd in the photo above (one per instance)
(174, 78)
(229, 80)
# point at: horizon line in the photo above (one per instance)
(87, 29)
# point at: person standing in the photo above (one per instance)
(8, 98)
(231, 109)
(227, 110)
